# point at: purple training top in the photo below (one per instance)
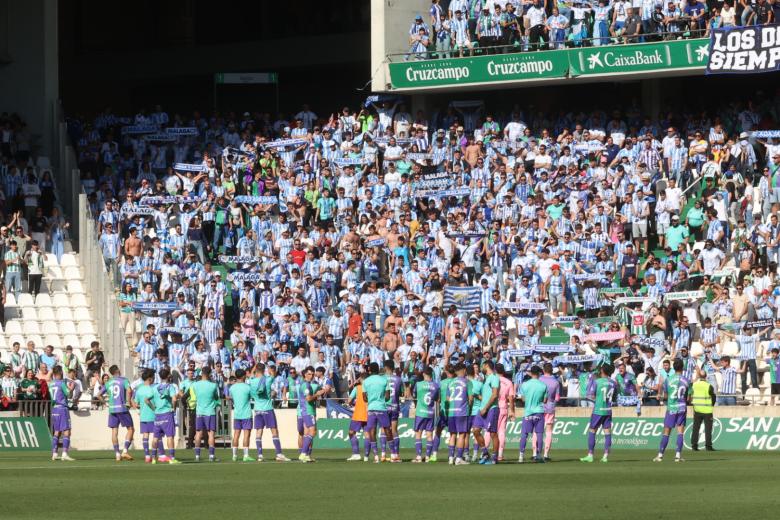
(553, 392)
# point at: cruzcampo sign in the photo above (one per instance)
(479, 69)
(24, 434)
(645, 57)
(559, 65)
(738, 433)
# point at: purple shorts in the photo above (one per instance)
(477, 421)
(147, 427)
(490, 421)
(423, 424)
(375, 419)
(60, 420)
(265, 419)
(305, 421)
(356, 426)
(533, 423)
(674, 419)
(164, 425)
(124, 419)
(442, 422)
(458, 424)
(393, 415)
(242, 424)
(206, 422)
(600, 421)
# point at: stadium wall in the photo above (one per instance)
(390, 22)
(29, 71)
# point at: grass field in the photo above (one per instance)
(711, 485)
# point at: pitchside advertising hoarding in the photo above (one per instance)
(551, 65)
(24, 434)
(736, 433)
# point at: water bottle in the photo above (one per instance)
(638, 407)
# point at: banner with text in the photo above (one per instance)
(24, 434)
(479, 69)
(556, 66)
(738, 433)
(739, 50)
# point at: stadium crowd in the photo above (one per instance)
(456, 236)
(455, 27)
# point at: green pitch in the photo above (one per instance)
(712, 485)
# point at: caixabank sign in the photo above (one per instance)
(644, 58)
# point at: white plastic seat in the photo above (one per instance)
(75, 286)
(55, 341)
(696, 349)
(43, 300)
(640, 379)
(13, 327)
(78, 300)
(73, 340)
(85, 327)
(50, 260)
(87, 339)
(29, 313)
(730, 349)
(54, 273)
(16, 338)
(38, 340)
(46, 314)
(68, 259)
(67, 327)
(72, 273)
(81, 314)
(60, 300)
(10, 299)
(43, 163)
(25, 300)
(31, 327)
(64, 314)
(753, 395)
(50, 327)
(4, 345)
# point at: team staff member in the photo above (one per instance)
(703, 400)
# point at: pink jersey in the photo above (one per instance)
(504, 393)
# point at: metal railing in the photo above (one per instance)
(102, 291)
(517, 46)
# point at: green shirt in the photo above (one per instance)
(444, 388)
(374, 387)
(261, 394)
(426, 393)
(141, 394)
(534, 394)
(491, 383)
(206, 396)
(676, 235)
(241, 394)
(695, 217)
(185, 389)
(306, 407)
(475, 389)
(603, 393)
(163, 397)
